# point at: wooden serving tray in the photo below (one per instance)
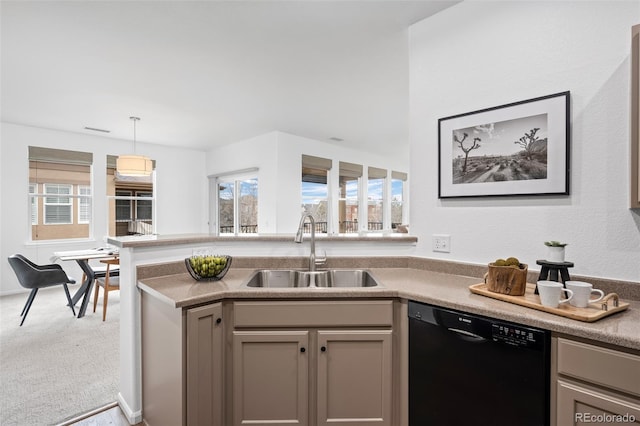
(591, 313)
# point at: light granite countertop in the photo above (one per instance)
(441, 289)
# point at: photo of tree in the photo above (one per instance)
(508, 150)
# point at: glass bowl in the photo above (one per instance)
(210, 267)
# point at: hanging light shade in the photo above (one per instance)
(134, 165)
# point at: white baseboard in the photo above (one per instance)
(132, 417)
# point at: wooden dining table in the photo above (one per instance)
(82, 257)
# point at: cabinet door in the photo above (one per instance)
(270, 377)
(204, 365)
(354, 377)
(580, 404)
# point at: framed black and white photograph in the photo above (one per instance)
(520, 148)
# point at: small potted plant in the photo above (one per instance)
(556, 251)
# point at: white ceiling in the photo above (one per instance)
(206, 73)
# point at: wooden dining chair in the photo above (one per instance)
(108, 283)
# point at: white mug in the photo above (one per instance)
(582, 293)
(550, 293)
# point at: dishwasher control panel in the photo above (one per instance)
(514, 335)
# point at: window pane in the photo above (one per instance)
(348, 204)
(144, 207)
(248, 206)
(123, 207)
(84, 204)
(225, 206)
(57, 215)
(315, 191)
(396, 202)
(314, 201)
(375, 200)
(34, 204)
(57, 210)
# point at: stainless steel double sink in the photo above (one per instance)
(291, 278)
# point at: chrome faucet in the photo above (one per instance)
(313, 261)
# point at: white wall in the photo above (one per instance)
(482, 54)
(278, 156)
(180, 179)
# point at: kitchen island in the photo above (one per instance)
(158, 271)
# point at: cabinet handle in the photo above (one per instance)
(302, 350)
(218, 320)
(323, 348)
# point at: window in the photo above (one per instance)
(237, 204)
(375, 198)
(124, 212)
(398, 213)
(315, 191)
(34, 203)
(84, 204)
(57, 209)
(349, 185)
(144, 205)
(352, 204)
(60, 194)
(131, 202)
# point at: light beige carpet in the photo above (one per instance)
(56, 366)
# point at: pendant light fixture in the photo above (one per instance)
(134, 165)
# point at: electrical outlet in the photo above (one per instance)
(442, 243)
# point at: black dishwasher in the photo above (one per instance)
(467, 369)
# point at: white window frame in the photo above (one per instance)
(236, 178)
(84, 200)
(33, 202)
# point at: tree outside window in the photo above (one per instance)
(398, 214)
(375, 198)
(237, 204)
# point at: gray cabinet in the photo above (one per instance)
(270, 377)
(182, 364)
(204, 369)
(354, 377)
(595, 385)
(312, 363)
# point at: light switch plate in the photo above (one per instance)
(442, 243)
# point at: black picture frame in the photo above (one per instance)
(517, 149)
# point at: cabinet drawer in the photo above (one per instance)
(372, 313)
(579, 404)
(613, 369)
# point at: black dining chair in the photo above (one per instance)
(35, 277)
